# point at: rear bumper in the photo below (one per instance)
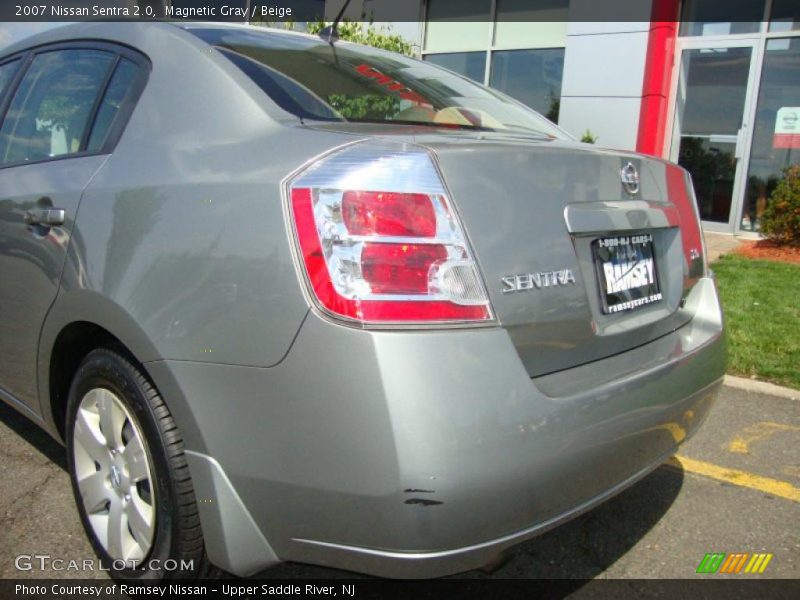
(422, 565)
(418, 454)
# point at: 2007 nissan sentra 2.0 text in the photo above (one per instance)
(286, 299)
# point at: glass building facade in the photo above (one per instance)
(736, 120)
(516, 46)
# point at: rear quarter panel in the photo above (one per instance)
(180, 247)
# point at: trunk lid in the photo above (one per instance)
(533, 208)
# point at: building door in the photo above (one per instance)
(711, 131)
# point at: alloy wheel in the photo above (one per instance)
(113, 474)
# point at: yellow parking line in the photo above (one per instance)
(757, 433)
(774, 487)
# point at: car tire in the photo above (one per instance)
(129, 473)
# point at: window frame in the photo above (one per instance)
(489, 48)
(12, 83)
(118, 52)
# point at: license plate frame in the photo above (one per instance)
(627, 272)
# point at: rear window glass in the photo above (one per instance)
(347, 82)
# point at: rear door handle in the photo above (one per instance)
(48, 217)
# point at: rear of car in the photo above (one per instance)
(401, 321)
(507, 327)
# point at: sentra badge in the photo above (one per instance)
(536, 281)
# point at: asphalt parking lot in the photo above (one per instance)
(733, 488)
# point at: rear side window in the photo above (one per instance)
(51, 111)
(6, 74)
(119, 89)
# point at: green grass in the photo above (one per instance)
(761, 300)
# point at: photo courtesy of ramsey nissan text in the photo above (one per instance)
(367, 298)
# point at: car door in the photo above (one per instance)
(52, 141)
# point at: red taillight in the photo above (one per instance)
(355, 244)
(400, 268)
(681, 194)
(388, 213)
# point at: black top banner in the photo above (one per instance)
(190, 10)
(394, 10)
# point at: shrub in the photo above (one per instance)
(589, 137)
(353, 31)
(781, 219)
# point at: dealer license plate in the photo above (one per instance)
(626, 271)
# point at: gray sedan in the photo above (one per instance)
(284, 298)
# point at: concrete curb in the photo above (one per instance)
(761, 387)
